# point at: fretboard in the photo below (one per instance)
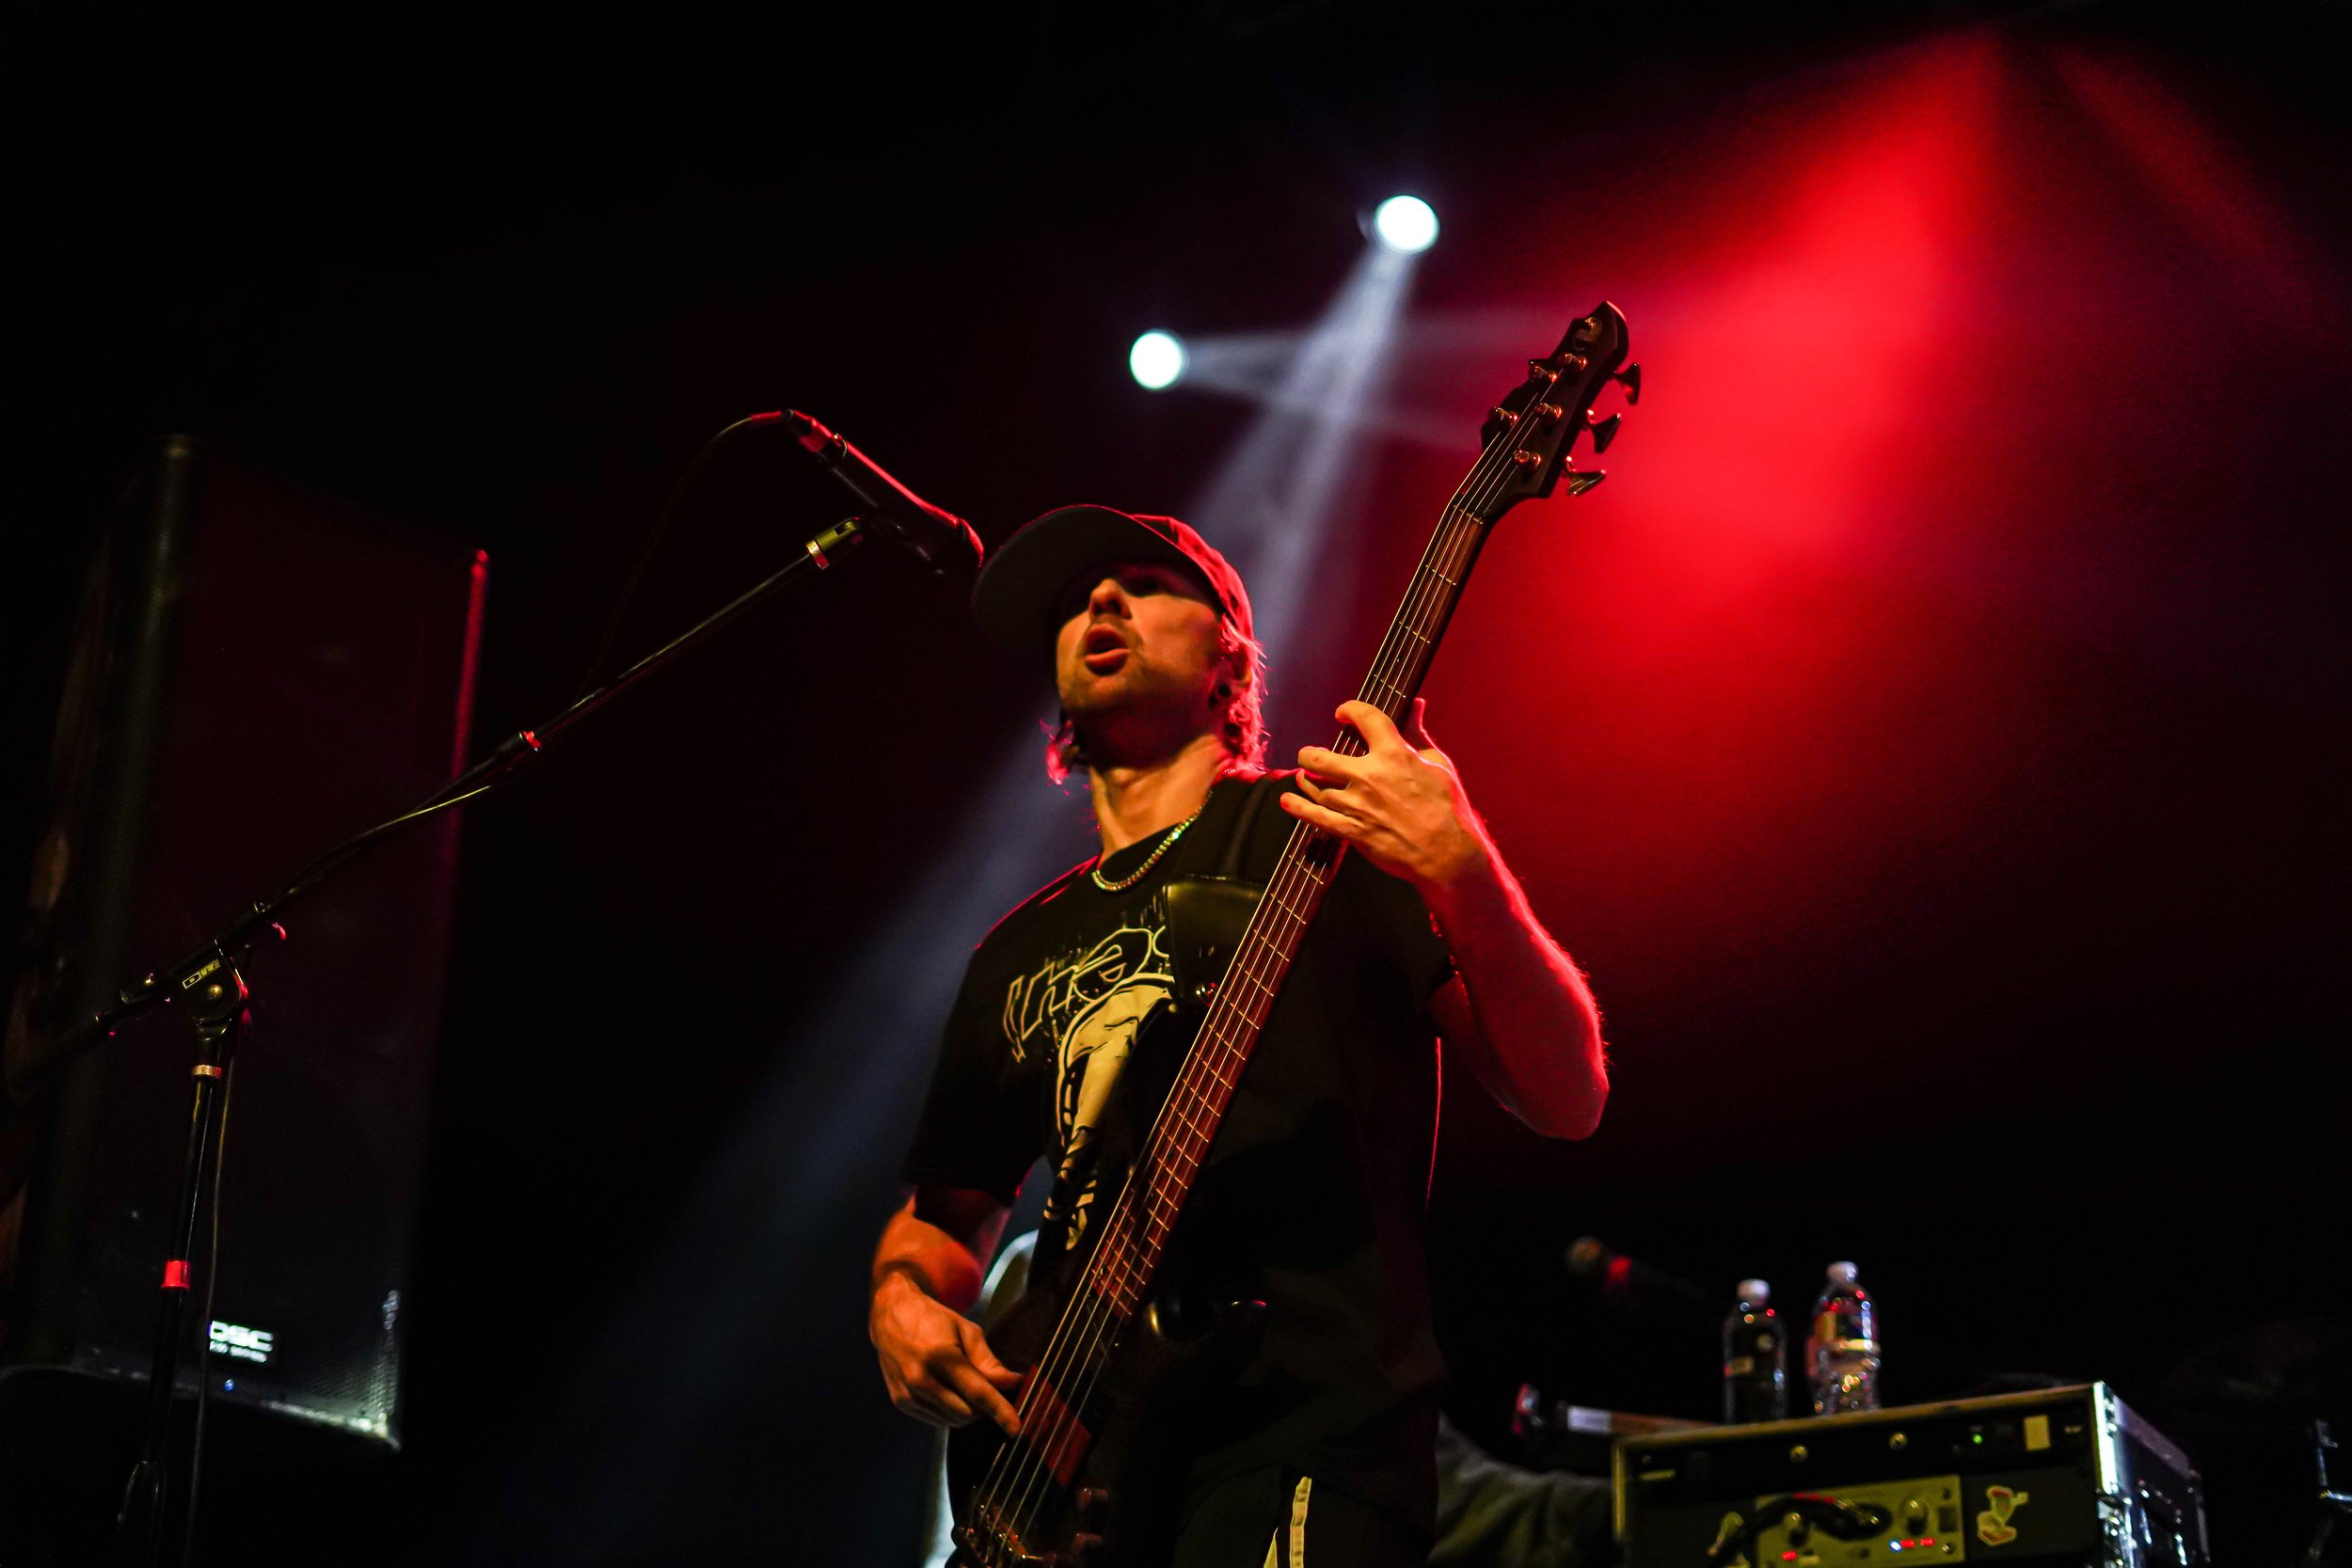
(1136, 1228)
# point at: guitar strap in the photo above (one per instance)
(1206, 915)
(1229, 866)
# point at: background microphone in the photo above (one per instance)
(940, 540)
(1632, 1286)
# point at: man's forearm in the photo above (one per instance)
(1538, 1028)
(936, 1261)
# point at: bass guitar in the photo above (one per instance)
(1108, 1376)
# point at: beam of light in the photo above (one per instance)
(2218, 197)
(749, 1286)
(1266, 368)
(1157, 361)
(1406, 224)
(1299, 463)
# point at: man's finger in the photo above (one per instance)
(1325, 764)
(1318, 816)
(1319, 790)
(1430, 751)
(1376, 728)
(987, 1401)
(975, 1346)
(1420, 737)
(938, 1405)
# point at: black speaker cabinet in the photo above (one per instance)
(259, 669)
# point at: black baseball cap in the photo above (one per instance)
(1013, 599)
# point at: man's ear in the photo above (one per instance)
(1238, 671)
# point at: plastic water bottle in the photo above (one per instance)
(1843, 1353)
(1755, 1358)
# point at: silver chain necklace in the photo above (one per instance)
(1149, 861)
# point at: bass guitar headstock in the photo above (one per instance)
(1531, 435)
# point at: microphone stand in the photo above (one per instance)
(209, 980)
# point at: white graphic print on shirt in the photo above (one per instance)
(1088, 1006)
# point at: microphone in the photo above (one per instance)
(1631, 1287)
(940, 540)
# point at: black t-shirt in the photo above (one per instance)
(1312, 1196)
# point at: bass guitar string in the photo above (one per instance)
(1118, 1272)
(1119, 1275)
(1053, 1365)
(1114, 1276)
(1139, 1228)
(1124, 1272)
(1110, 1280)
(1181, 1142)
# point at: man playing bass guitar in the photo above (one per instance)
(1312, 1193)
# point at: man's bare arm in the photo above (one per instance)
(927, 1272)
(1518, 1011)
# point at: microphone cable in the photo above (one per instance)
(653, 543)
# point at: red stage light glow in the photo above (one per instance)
(1889, 546)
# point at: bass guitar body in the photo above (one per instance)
(1096, 1477)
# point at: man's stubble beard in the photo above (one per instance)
(1131, 722)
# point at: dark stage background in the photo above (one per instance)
(1934, 740)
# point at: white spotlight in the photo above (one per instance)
(1159, 361)
(1406, 224)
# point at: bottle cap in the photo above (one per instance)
(1755, 1291)
(1844, 1274)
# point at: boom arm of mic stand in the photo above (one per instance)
(505, 760)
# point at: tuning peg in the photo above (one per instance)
(1579, 484)
(1631, 379)
(1604, 431)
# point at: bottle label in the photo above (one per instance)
(1739, 1366)
(1851, 1347)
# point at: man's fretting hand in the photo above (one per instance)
(935, 1361)
(1401, 803)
